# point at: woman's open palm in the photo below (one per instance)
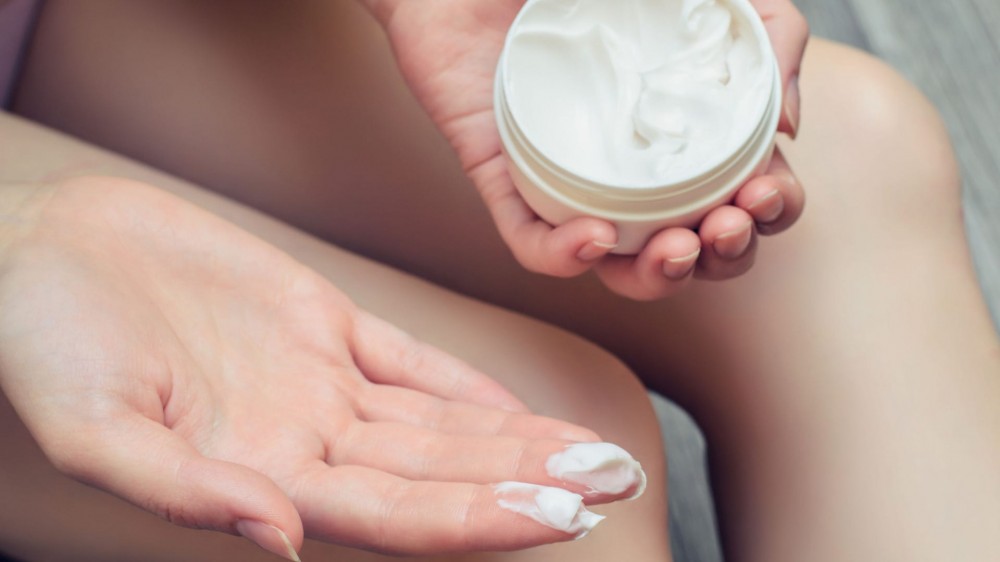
(162, 354)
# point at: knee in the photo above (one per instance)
(864, 117)
(604, 395)
(604, 390)
(584, 384)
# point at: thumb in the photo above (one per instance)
(789, 34)
(148, 465)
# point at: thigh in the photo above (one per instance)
(555, 373)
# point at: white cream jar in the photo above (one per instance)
(645, 113)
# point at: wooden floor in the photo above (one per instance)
(951, 50)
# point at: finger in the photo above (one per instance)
(789, 33)
(381, 403)
(145, 463)
(369, 509)
(564, 251)
(601, 472)
(775, 200)
(729, 244)
(388, 355)
(664, 267)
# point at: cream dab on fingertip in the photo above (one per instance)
(605, 468)
(553, 507)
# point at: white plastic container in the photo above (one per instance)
(560, 188)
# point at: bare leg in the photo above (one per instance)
(848, 385)
(861, 369)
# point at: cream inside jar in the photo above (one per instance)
(647, 113)
(635, 92)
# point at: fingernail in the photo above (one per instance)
(268, 537)
(594, 250)
(553, 507)
(734, 244)
(792, 106)
(604, 468)
(768, 208)
(679, 268)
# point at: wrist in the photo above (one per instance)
(21, 206)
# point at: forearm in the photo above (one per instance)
(42, 156)
(31, 167)
(38, 159)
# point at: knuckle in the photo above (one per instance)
(388, 507)
(532, 256)
(420, 464)
(536, 262)
(435, 415)
(533, 267)
(177, 514)
(520, 464)
(493, 194)
(468, 523)
(412, 356)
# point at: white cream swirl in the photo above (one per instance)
(635, 93)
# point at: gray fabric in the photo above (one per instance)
(693, 533)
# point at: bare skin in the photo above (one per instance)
(848, 384)
(146, 342)
(209, 378)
